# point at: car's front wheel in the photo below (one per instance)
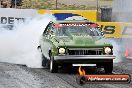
(53, 65)
(108, 67)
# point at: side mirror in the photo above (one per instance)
(51, 34)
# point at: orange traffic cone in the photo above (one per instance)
(127, 52)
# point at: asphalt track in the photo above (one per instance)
(18, 76)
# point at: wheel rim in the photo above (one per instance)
(51, 65)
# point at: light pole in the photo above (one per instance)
(0, 3)
(97, 7)
(15, 3)
(56, 4)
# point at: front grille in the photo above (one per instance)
(85, 51)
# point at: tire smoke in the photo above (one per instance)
(19, 46)
(118, 50)
(121, 13)
(122, 10)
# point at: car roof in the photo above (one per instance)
(72, 21)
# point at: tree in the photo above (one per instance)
(16, 2)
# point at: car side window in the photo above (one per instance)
(46, 31)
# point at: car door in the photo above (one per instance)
(45, 41)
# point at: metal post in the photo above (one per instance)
(56, 4)
(97, 8)
(0, 3)
(97, 5)
(15, 3)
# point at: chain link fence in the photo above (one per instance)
(56, 4)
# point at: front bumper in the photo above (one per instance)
(84, 58)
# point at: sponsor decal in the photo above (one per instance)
(112, 78)
(108, 29)
(82, 78)
(71, 14)
(111, 29)
(68, 16)
(72, 24)
(10, 20)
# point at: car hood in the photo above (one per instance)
(80, 41)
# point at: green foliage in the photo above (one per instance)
(36, 4)
(51, 4)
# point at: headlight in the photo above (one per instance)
(107, 50)
(61, 50)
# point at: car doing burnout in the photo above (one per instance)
(75, 42)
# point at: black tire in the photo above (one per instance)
(108, 67)
(53, 65)
(44, 60)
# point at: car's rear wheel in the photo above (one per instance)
(42, 56)
(44, 60)
(108, 67)
(53, 65)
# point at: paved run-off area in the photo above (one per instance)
(18, 76)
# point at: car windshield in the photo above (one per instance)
(77, 30)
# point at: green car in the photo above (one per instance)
(75, 43)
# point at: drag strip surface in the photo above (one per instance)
(18, 76)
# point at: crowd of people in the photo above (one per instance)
(10, 3)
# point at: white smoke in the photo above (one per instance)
(122, 10)
(121, 13)
(19, 45)
(117, 50)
